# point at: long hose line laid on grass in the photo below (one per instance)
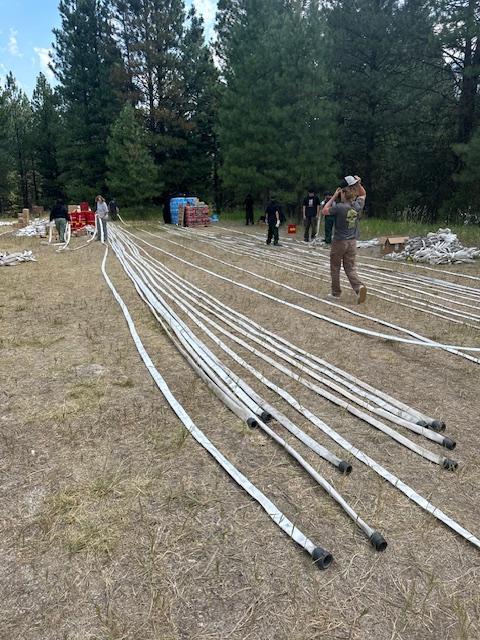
(322, 558)
(248, 249)
(422, 341)
(294, 267)
(431, 435)
(122, 220)
(386, 402)
(365, 268)
(391, 405)
(447, 442)
(380, 470)
(210, 375)
(412, 265)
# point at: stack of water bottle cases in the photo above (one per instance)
(189, 212)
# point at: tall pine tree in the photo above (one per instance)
(132, 176)
(390, 83)
(275, 125)
(45, 139)
(90, 70)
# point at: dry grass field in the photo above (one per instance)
(116, 525)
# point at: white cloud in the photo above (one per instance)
(44, 57)
(12, 45)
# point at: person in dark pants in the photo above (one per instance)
(329, 220)
(248, 209)
(113, 209)
(272, 215)
(311, 211)
(59, 215)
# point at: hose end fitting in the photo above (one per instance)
(253, 424)
(437, 425)
(322, 558)
(448, 443)
(423, 423)
(265, 416)
(378, 541)
(449, 464)
(345, 467)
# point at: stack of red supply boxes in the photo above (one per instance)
(196, 215)
(81, 217)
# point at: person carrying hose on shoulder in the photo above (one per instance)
(102, 216)
(347, 214)
(59, 214)
(272, 218)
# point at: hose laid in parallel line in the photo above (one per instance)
(379, 469)
(281, 418)
(390, 404)
(322, 558)
(216, 382)
(423, 342)
(423, 307)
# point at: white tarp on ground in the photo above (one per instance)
(11, 259)
(442, 247)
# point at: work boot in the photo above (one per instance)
(362, 294)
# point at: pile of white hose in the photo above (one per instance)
(12, 259)
(36, 228)
(442, 247)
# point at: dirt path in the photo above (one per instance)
(116, 525)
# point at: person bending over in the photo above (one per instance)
(347, 214)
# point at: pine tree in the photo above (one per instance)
(173, 82)
(458, 25)
(45, 139)
(6, 158)
(132, 176)
(275, 125)
(90, 70)
(20, 115)
(194, 169)
(390, 83)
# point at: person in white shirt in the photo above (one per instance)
(102, 217)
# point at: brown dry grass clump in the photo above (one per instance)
(116, 525)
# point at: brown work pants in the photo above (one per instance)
(344, 251)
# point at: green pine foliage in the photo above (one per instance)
(276, 126)
(391, 89)
(45, 140)
(88, 65)
(297, 93)
(7, 182)
(132, 177)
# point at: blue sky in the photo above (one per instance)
(26, 36)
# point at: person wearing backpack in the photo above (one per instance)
(311, 211)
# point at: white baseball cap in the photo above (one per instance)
(349, 181)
